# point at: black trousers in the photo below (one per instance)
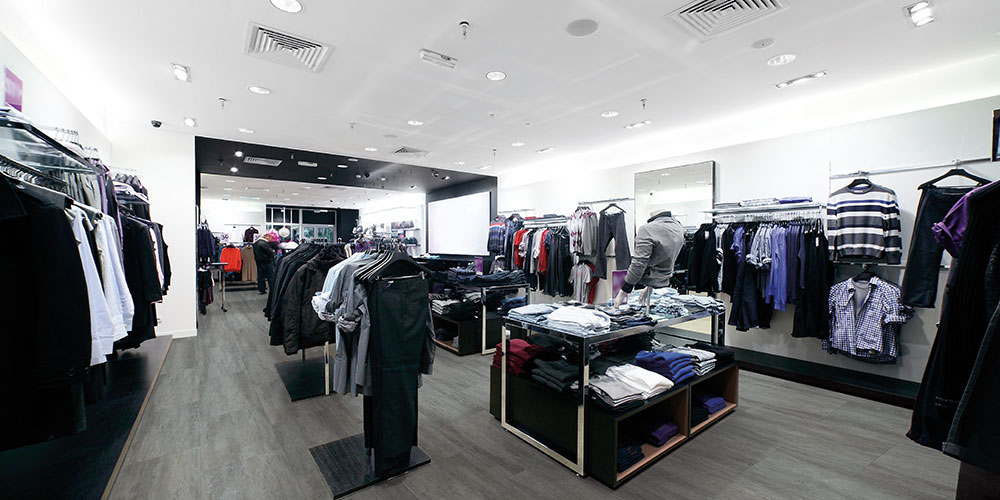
(920, 281)
(265, 276)
(612, 227)
(399, 312)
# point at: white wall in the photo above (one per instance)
(45, 105)
(800, 165)
(232, 216)
(164, 161)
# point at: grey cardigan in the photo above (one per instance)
(657, 244)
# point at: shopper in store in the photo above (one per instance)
(264, 251)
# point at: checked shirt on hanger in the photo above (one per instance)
(865, 323)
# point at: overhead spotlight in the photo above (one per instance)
(357, 175)
(259, 90)
(371, 149)
(517, 144)
(234, 169)
(230, 180)
(382, 178)
(321, 178)
(545, 150)
(435, 174)
(802, 79)
(245, 130)
(496, 76)
(459, 163)
(638, 124)
(289, 6)
(609, 114)
(181, 72)
(781, 60)
(190, 122)
(238, 154)
(413, 187)
(415, 123)
(920, 13)
(352, 159)
(485, 167)
(446, 177)
(341, 166)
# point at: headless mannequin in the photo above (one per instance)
(641, 269)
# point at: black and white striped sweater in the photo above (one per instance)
(864, 224)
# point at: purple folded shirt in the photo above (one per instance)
(661, 434)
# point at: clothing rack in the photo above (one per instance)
(545, 222)
(609, 200)
(515, 210)
(770, 213)
(894, 170)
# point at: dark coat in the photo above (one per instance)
(264, 251)
(303, 327)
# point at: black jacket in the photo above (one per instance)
(140, 265)
(303, 328)
(264, 251)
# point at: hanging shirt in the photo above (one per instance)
(868, 331)
(102, 330)
(118, 266)
(114, 277)
(864, 223)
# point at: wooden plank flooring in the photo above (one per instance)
(220, 425)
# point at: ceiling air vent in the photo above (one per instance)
(707, 19)
(411, 152)
(256, 160)
(286, 48)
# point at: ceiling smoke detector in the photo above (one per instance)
(707, 19)
(285, 48)
(438, 59)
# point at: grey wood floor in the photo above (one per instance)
(220, 425)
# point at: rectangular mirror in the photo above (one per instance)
(688, 191)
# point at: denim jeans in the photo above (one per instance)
(920, 281)
(612, 226)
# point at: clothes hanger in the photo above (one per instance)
(865, 275)
(612, 205)
(961, 172)
(860, 181)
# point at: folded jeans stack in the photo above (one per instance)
(709, 402)
(531, 313)
(510, 303)
(675, 366)
(558, 375)
(515, 277)
(629, 456)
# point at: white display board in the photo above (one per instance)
(459, 226)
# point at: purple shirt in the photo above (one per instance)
(777, 286)
(951, 230)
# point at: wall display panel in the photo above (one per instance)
(459, 226)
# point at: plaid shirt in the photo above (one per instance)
(871, 335)
(498, 230)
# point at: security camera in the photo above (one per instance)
(367, 175)
(155, 123)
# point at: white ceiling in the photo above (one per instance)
(224, 187)
(118, 53)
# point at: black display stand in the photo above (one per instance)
(303, 379)
(348, 467)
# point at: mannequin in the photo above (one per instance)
(657, 244)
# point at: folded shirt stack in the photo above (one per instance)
(695, 301)
(668, 309)
(709, 402)
(613, 392)
(655, 431)
(698, 414)
(520, 358)
(675, 366)
(510, 303)
(531, 313)
(631, 319)
(648, 383)
(704, 361)
(722, 354)
(629, 456)
(558, 375)
(578, 320)
(515, 277)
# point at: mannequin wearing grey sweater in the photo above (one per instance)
(657, 244)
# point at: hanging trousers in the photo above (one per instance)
(612, 227)
(920, 281)
(399, 321)
(265, 276)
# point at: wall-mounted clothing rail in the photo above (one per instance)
(609, 200)
(544, 222)
(893, 170)
(515, 210)
(787, 207)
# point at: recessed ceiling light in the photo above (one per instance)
(517, 144)
(227, 189)
(357, 175)
(665, 174)
(781, 60)
(446, 177)
(230, 180)
(321, 178)
(190, 122)
(700, 182)
(496, 76)
(238, 154)
(415, 123)
(638, 124)
(341, 166)
(290, 6)
(286, 199)
(259, 90)
(352, 159)
(544, 150)
(371, 149)
(581, 28)
(609, 114)
(245, 130)
(459, 163)
(919, 13)
(181, 72)
(802, 79)
(306, 187)
(485, 167)
(295, 194)
(382, 178)
(308, 164)
(234, 169)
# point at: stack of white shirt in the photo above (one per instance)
(646, 382)
(579, 319)
(704, 361)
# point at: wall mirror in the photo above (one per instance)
(688, 191)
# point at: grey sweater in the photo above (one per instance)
(657, 244)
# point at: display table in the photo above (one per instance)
(584, 435)
(479, 334)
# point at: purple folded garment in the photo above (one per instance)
(662, 434)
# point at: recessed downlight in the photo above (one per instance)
(517, 144)
(459, 163)
(230, 180)
(341, 166)
(781, 60)
(641, 124)
(802, 79)
(181, 72)
(609, 114)
(190, 122)
(446, 177)
(321, 178)
(415, 123)
(371, 149)
(358, 176)
(245, 130)
(289, 6)
(496, 76)
(259, 90)
(382, 178)
(238, 154)
(227, 189)
(352, 159)
(485, 167)
(545, 150)
(295, 194)
(234, 169)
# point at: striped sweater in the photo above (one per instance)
(864, 224)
